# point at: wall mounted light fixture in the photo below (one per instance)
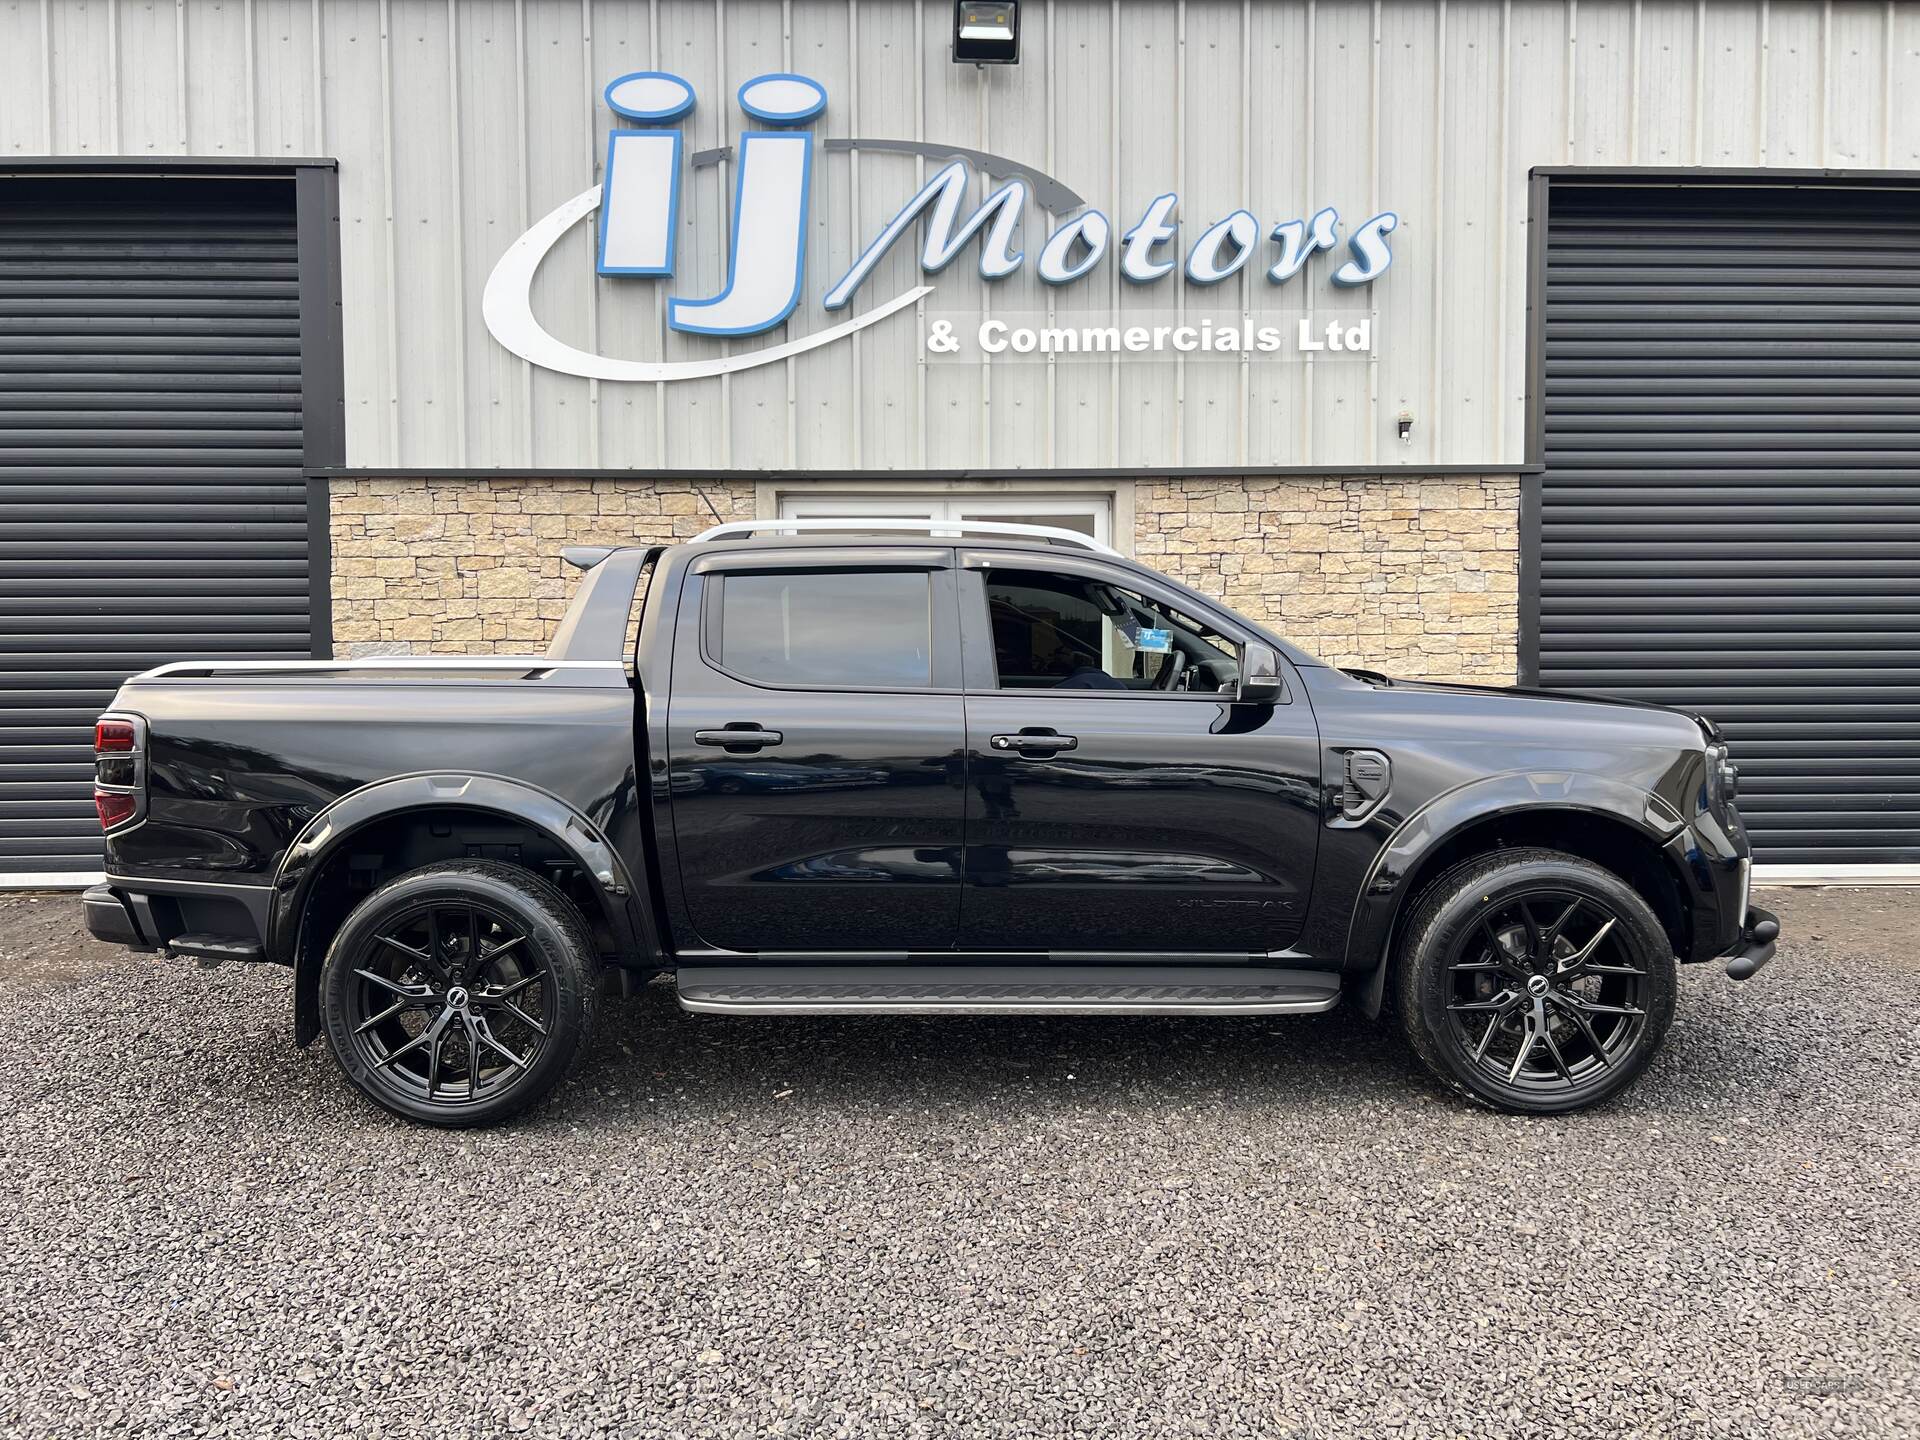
(986, 34)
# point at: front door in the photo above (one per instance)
(816, 733)
(1119, 797)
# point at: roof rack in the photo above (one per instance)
(856, 524)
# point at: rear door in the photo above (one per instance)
(816, 749)
(1119, 797)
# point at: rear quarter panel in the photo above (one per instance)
(238, 767)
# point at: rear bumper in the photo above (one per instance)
(210, 918)
(1758, 935)
(109, 918)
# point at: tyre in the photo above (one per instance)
(460, 993)
(1534, 981)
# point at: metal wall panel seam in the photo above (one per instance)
(726, 228)
(253, 64)
(526, 199)
(1760, 85)
(180, 75)
(1180, 188)
(655, 59)
(1435, 429)
(1373, 208)
(1113, 189)
(319, 85)
(983, 137)
(1503, 287)
(1246, 193)
(793, 402)
(1823, 144)
(47, 72)
(394, 454)
(1699, 81)
(1309, 139)
(1048, 446)
(1886, 86)
(1573, 55)
(592, 98)
(920, 180)
(453, 236)
(853, 220)
(113, 76)
(1633, 88)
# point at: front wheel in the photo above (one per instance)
(459, 993)
(1534, 981)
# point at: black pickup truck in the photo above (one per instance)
(973, 770)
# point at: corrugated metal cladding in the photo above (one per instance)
(152, 505)
(458, 122)
(1730, 518)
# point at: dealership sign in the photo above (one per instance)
(639, 210)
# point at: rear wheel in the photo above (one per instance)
(460, 993)
(1535, 981)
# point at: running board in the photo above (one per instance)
(1005, 990)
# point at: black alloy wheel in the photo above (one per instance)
(439, 1000)
(1544, 995)
(1535, 981)
(458, 994)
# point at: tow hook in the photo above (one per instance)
(1757, 939)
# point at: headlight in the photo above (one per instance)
(1723, 780)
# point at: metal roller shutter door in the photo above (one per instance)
(152, 503)
(1730, 514)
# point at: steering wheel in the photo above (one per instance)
(1170, 673)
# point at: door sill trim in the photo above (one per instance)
(1029, 1007)
(1005, 990)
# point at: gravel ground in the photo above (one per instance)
(960, 1229)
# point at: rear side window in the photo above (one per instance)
(869, 627)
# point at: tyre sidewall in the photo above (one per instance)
(1451, 911)
(554, 937)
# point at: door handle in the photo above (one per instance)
(739, 737)
(1035, 742)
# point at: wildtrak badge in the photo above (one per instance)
(638, 203)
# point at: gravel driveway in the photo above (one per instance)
(968, 1229)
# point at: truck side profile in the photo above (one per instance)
(970, 769)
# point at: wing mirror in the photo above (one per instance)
(1259, 674)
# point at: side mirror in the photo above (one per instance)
(1259, 674)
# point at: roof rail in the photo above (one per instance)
(856, 524)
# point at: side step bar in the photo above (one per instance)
(1005, 990)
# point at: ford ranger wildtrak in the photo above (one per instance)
(924, 768)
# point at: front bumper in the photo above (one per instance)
(1758, 935)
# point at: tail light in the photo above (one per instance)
(119, 770)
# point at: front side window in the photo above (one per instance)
(825, 627)
(1071, 632)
